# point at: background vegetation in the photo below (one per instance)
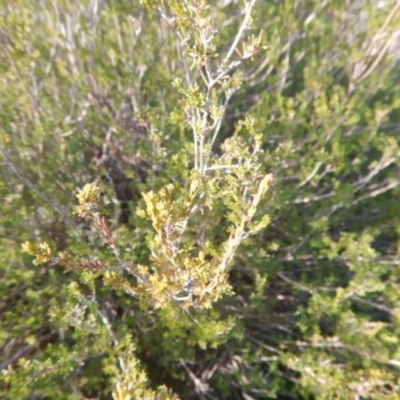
(236, 233)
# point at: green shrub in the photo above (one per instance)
(210, 194)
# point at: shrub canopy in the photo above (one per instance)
(207, 199)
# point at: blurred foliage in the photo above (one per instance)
(237, 234)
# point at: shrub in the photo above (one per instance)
(209, 191)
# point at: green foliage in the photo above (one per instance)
(253, 148)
